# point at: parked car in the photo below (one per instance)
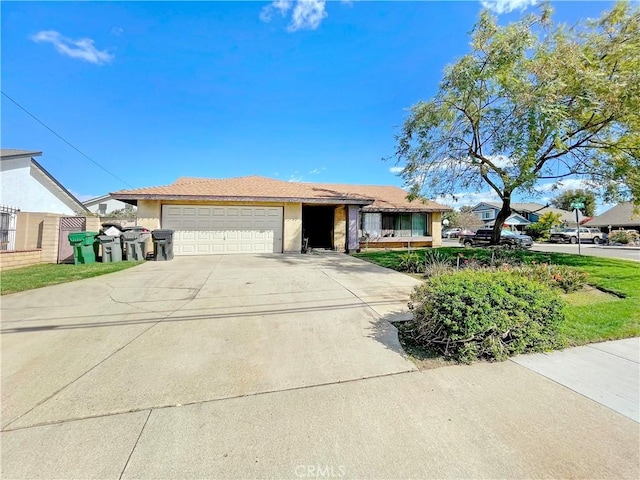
(483, 237)
(570, 235)
(451, 232)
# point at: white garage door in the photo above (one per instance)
(210, 230)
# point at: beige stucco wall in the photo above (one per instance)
(292, 233)
(29, 230)
(436, 228)
(50, 237)
(340, 229)
(149, 212)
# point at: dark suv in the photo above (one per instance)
(507, 237)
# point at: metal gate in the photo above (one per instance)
(67, 226)
(8, 217)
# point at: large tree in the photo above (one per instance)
(565, 199)
(533, 102)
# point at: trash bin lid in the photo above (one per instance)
(76, 237)
(162, 234)
(108, 238)
(131, 235)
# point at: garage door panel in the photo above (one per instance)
(205, 230)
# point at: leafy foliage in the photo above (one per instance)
(565, 278)
(624, 237)
(486, 315)
(463, 219)
(410, 262)
(436, 263)
(532, 101)
(538, 231)
(565, 199)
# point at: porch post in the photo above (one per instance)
(353, 243)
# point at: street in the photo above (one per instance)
(624, 253)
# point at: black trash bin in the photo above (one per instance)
(162, 244)
(111, 248)
(134, 241)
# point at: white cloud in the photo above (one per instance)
(564, 185)
(506, 6)
(396, 169)
(458, 200)
(305, 15)
(117, 31)
(296, 177)
(316, 171)
(82, 49)
(282, 6)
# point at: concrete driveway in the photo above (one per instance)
(196, 329)
(271, 367)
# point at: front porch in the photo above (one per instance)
(396, 242)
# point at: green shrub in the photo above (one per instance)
(567, 279)
(436, 263)
(473, 315)
(620, 236)
(411, 262)
(538, 231)
(624, 236)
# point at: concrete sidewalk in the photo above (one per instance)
(608, 372)
(480, 421)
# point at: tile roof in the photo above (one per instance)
(256, 188)
(621, 215)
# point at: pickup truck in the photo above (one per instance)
(483, 237)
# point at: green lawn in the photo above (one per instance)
(37, 276)
(590, 317)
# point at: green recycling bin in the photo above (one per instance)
(85, 248)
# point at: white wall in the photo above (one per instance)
(25, 187)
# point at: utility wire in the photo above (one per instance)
(65, 140)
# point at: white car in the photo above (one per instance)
(451, 232)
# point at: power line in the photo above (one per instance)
(65, 140)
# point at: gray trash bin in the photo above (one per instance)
(111, 248)
(162, 244)
(134, 241)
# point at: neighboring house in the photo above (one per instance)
(27, 186)
(262, 215)
(105, 205)
(522, 214)
(620, 216)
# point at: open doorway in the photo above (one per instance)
(317, 225)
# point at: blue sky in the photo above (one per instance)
(295, 90)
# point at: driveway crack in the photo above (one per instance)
(135, 445)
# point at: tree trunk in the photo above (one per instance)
(503, 214)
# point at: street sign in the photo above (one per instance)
(577, 205)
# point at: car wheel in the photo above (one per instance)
(468, 244)
(596, 240)
(573, 240)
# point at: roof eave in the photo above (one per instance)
(226, 198)
(373, 209)
(60, 186)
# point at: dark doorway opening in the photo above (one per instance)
(317, 226)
